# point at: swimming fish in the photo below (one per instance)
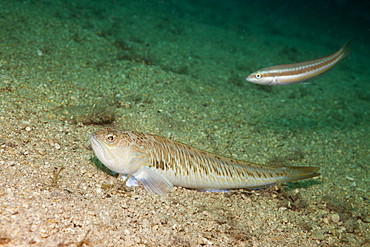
(158, 163)
(286, 74)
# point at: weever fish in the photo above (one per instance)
(286, 74)
(159, 163)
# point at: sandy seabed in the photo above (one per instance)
(62, 78)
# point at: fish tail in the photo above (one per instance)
(298, 172)
(346, 49)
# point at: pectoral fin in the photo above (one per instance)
(152, 181)
(129, 180)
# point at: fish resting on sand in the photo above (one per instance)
(158, 163)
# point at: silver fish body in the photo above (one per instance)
(159, 163)
(286, 74)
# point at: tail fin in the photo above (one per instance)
(298, 173)
(346, 48)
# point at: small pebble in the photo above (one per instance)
(11, 163)
(282, 208)
(57, 146)
(335, 218)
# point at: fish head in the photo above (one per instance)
(262, 77)
(116, 150)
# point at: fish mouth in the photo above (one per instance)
(98, 148)
(249, 78)
(94, 142)
(109, 156)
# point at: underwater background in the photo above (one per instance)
(177, 69)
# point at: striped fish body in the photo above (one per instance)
(298, 72)
(158, 163)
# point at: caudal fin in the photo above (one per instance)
(346, 49)
(298, 173)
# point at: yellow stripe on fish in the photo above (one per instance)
(159, 163)
(286, 74)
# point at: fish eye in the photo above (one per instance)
(110, 138)
(258, 76)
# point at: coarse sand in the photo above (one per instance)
(67, 70)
